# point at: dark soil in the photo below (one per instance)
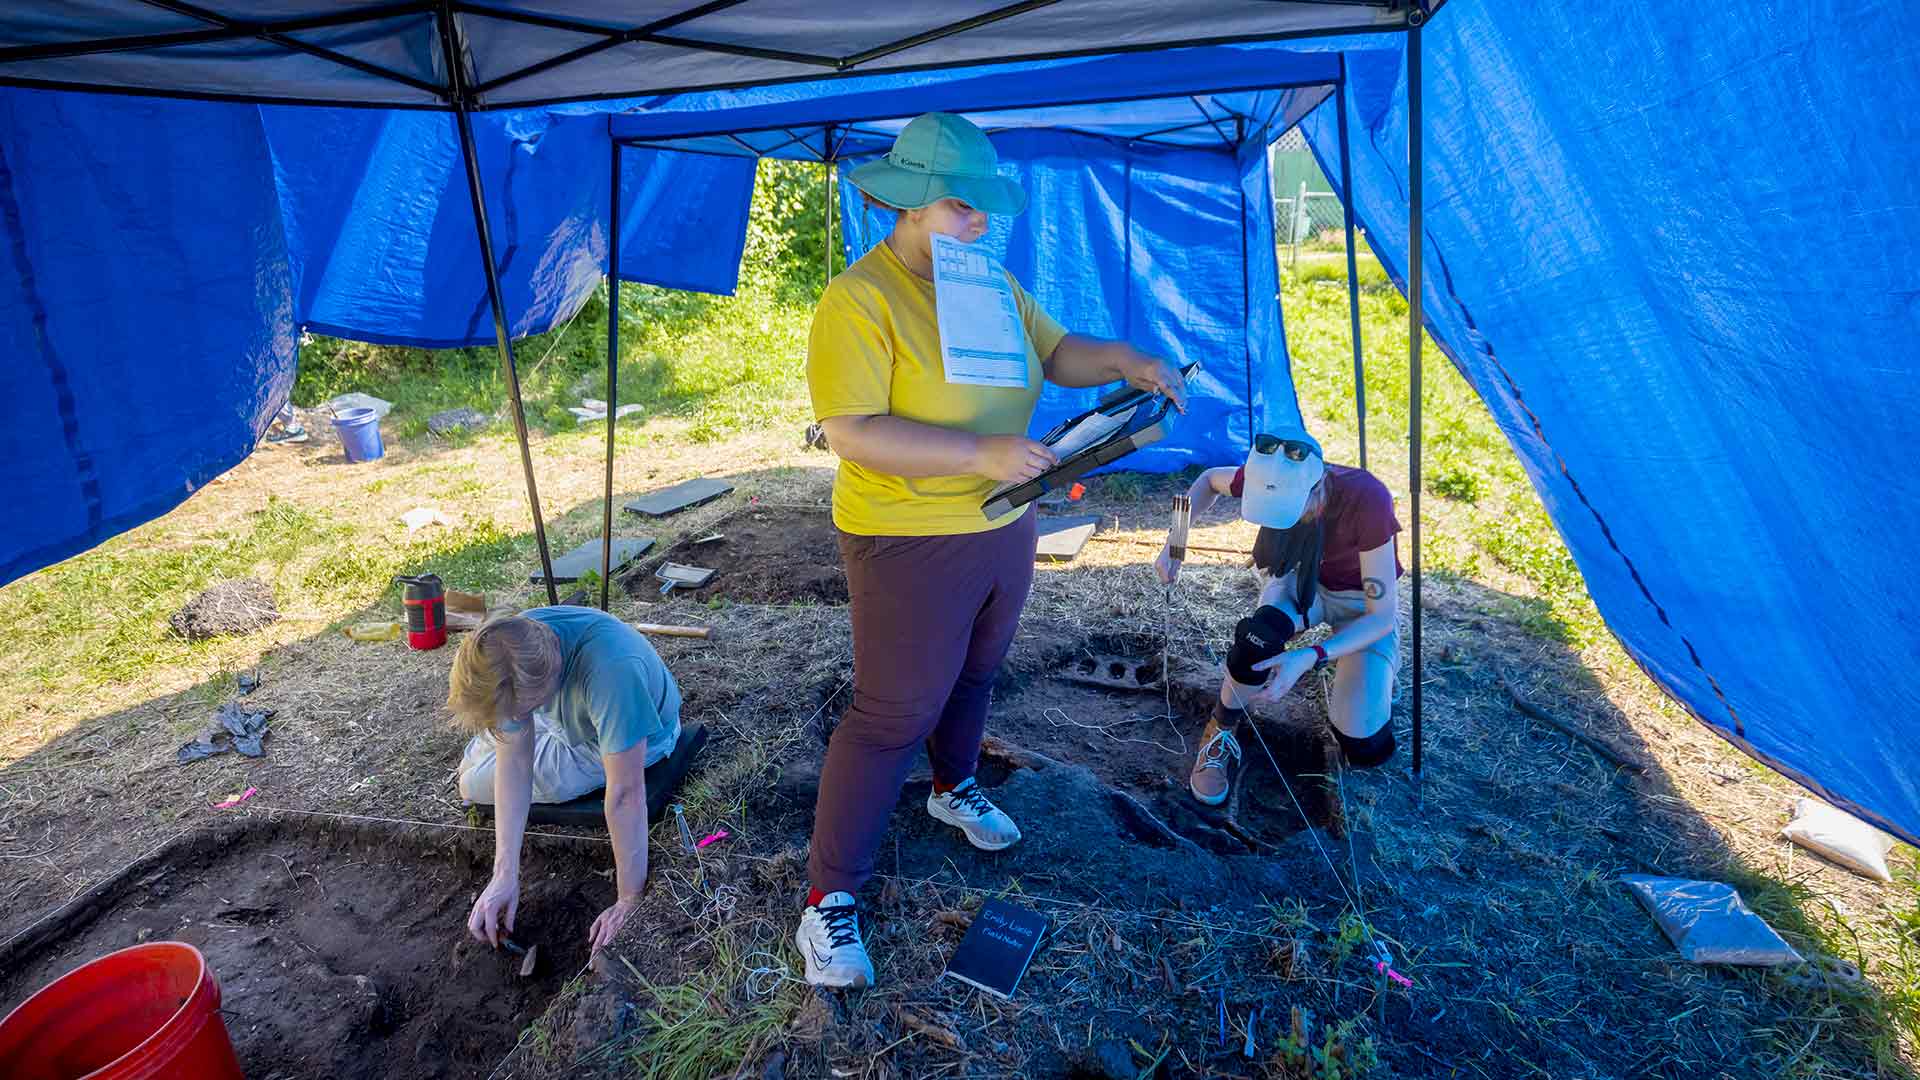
(231, 607)
(1126, 740)
(765, 555)
(344, 953)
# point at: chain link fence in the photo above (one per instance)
(1305, 212)
(1306, 215)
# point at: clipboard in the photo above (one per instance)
(1143, 423)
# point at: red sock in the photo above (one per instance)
(941, 787)
(814, 897)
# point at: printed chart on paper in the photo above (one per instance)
(982, 341)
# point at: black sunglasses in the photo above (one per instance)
(1296, 450)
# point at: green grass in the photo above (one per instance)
(707, 1026)
(1485, 513)
(1870, 1018)
(478, 556)
(724, 363)
(1319, 267)
(102, 617)
(421, 382)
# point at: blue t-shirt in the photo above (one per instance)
(614, 689)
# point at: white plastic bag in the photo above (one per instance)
(1709, 923)
(357, 400)
(1838, 835)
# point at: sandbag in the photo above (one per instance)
(1837, 835)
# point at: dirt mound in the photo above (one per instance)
(343, 953)
(231, 607)
(764, 555)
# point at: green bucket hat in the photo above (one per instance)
(940, 156)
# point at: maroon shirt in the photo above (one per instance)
(1359, 517)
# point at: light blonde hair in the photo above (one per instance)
(503, 671)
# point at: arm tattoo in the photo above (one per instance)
(1374, 588)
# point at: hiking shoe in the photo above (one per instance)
(829, 940)
(288, 435)
(1209, 782)
(987, 826)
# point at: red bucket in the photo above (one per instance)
(143, 1013)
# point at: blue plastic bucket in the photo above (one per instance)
(359, 434)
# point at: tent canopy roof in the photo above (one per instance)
(531, 52)
(1217, 96)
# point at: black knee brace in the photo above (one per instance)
(1368, 751)
(1258, 637)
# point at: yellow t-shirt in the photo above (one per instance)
(874, 350)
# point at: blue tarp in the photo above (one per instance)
(146, 311)
(1185, 97)
(380, 223)
(1689, 291)
(1156, 245)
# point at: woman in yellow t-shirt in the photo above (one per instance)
(936, 587)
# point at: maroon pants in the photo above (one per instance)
(932, 619)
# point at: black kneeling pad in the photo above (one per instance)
(663, 780)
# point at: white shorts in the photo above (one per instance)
(562, 771)
(1366, 683)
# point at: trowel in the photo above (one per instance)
(529, 955)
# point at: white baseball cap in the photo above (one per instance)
(1282, 469)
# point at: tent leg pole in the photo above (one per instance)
(1353, 276)
(463, 123)
(613, 369)
(1415, 328)
(829, 228)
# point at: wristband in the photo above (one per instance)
(1319, 656)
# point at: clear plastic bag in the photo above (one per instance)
(1841, 837)
(1709, 923)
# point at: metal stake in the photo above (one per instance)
(1353, 274)
(613, 368)
(463, 122)
(1416, 327)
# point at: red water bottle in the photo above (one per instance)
(426, 603)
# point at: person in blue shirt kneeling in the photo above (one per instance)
(561, 701)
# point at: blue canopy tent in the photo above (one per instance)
(1641, 297)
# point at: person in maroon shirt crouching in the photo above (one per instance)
(1325, 553)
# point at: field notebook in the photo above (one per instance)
(998, 947)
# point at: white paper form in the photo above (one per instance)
(982, 340)
(1087, 432)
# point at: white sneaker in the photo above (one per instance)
(829, 941)
(986, 825)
